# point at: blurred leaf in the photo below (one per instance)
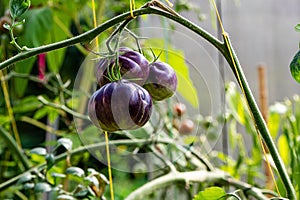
(295, 67)
(274, 123)
(58, 175)
(50, 160)
(39, 151)
(59, 32)
(67, 143)
(279, 108)
(283, 148)
(25, 178)
(65, 197)
(18, 7)
(27, 104)
(23, 67)
(235, 103)
(176, 59)
(28, 186)
(40, 113)
(42, 187)
(37, 27)
(76, 171)
(212, 193)
(297, 28)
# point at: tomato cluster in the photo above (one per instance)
(128, 85)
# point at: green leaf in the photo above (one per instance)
(176, 59)
(18, 7)
(76, 171)
(27, 104)
(42, 187)
(50, 159)
(65, 197)
(38, 27)
(283, 148)
(236, 103)
(23, 67)
(297, 28)
(274, 123)
(60, 31)
(39, 151)
(212, 193)
(25, 178)
(295, 67)
(65, 142)
(28, 186)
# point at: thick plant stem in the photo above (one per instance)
(190, 177)
(259, 121)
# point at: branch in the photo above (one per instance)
(259, 121)
(194, 176)
(90, 35)
(39, 168)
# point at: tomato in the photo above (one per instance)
(295, 67)
(120, 105)
(161, 82)
(179, 109)
(186, 127)
(133, 66)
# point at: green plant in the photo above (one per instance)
(188, 167)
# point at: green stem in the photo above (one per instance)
(260, 123)
(80, 150)
(12, 145)
(90, 35)
(194, 176)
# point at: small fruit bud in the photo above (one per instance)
(179, 109)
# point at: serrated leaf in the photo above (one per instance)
(67, 143)
(42, 187)
(212, 193)
(18, 7)
(295, 67)
(76, 171)
(39, 151)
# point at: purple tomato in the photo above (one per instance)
(120, 105)
(133, 66)
(161, 82)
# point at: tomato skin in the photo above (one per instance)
(133, 66)
(120, 105)
(161, 82)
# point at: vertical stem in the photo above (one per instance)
(259, 121)
(9, 109)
